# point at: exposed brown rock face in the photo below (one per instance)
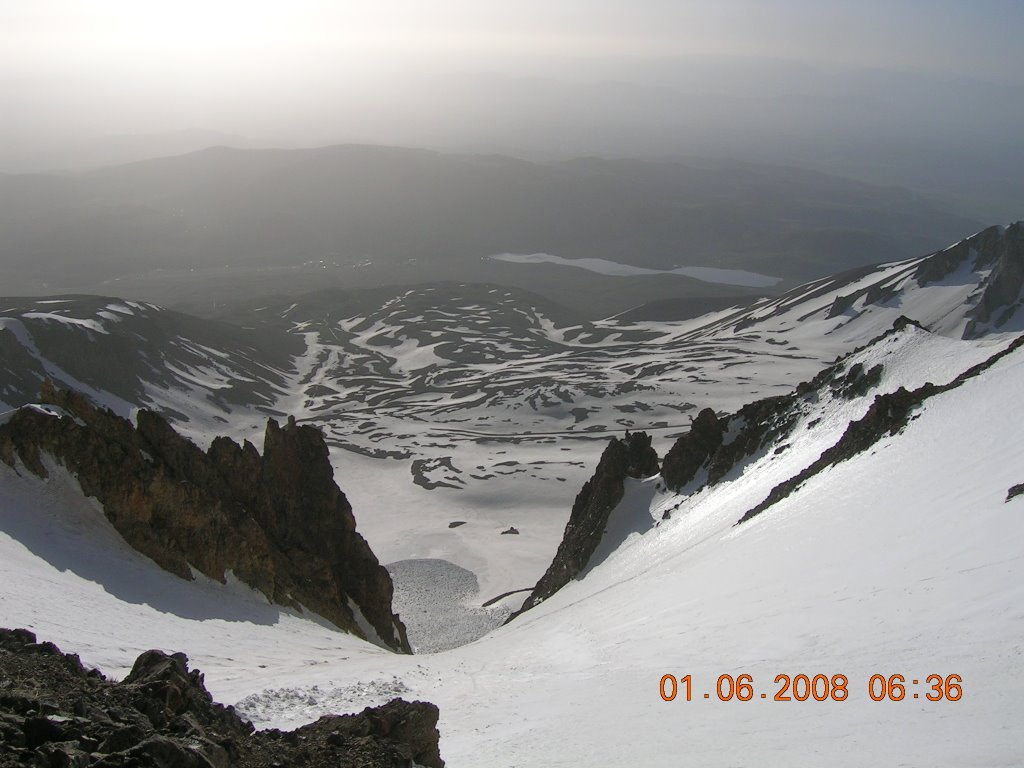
(632, 456)
(277, 521)
(55, 712)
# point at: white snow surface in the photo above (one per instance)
(70, 576)
(906, 559)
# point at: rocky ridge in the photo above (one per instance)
(979, 285)
(996, 254)
(888, 414)
(631, 456)
(716, 445)
(717, 448)
(55, 712)
(277, 521)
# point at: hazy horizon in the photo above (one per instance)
(925, 95)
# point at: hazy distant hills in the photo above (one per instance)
(360, 215)
(410, 371)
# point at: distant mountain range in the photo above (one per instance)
(210, 226)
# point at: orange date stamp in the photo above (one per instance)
(815, 688)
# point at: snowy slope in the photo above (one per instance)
(516, 408)
(470, 402)
(904, 559)
(65, 570)
(969, 290)
(207, 377)
(465, 403)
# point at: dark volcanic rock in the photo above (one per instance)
(632, 456)
(54, 712)
(888, 415)
(692, 451)
(706, 446)
(641, 458)
(997, 251)
(278, 521)
(720, 444)
(397, 735)
(857, 382)
(758, 425)
(1002, 251)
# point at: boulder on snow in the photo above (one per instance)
(54, 712)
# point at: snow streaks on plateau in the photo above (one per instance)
(479, 405)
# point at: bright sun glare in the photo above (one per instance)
(196, 25)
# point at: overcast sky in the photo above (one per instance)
(529, 76)
(129, 39)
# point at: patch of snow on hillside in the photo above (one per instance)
(91, 325)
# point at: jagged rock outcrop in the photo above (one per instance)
(993, 259)
(1002, 251)
(398, 734)
(719, 444)
(981, 251)
(632, 456)
(693, 450)
(55, 712)
(857, 381)
(277, 520)
(998, 250)
(888, 414)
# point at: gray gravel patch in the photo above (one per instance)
(440, 604)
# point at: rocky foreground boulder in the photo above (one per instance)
(276, 520)
(632, 456)
(55, 712)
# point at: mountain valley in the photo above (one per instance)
(829, 493)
